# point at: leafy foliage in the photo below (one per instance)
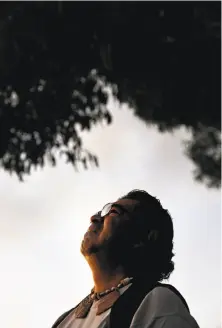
(56, 58)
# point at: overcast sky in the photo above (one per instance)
(43, 220)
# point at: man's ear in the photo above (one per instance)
(153, 235)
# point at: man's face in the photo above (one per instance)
(102, 230)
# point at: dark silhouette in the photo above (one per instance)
(56, 58)
(129, 249)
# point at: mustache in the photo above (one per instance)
(95, 227)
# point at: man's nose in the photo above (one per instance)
(96, 218)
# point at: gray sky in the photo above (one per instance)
(43, 220)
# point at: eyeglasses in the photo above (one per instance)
(108, 208)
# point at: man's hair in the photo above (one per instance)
(147, 241)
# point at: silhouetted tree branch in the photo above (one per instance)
(56, 59)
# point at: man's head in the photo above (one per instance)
(136, 233)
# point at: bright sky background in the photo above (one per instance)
(43, 220)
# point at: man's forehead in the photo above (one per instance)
(129, 203)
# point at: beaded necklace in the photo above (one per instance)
(105, 299)
(97, 296)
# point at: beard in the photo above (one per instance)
(114, 247)
(88, 247)
(88, 250)
(92, 244)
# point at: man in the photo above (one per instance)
(128, 247)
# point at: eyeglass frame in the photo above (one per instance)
(110, 205)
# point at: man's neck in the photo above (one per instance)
(105, 276)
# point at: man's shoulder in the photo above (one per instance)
(166, 294)
(62, 317)
(165, 301)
